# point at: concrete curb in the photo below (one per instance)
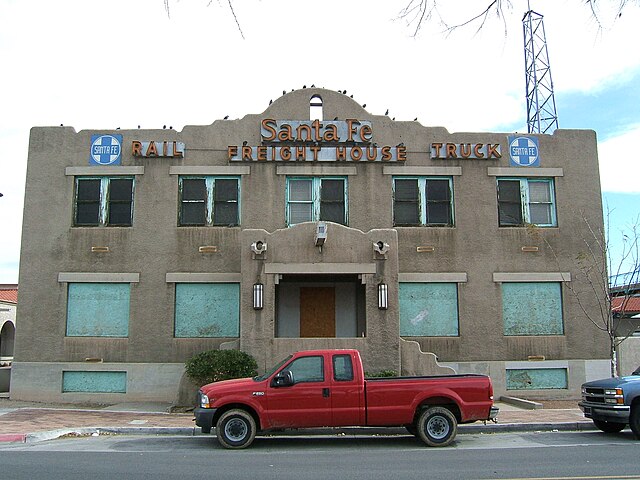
(355, 431)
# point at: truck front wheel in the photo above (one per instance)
(634, 419)
(437, 426)
(236, 429)
(609, 427)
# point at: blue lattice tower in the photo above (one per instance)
(541, 104)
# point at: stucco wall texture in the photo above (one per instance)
(155, 252)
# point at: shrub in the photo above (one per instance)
(216, 365)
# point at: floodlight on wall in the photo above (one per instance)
(99, 249)
(258, 296)
(208, 249)
(321, 234)
(383, 296)
(259, 247)
(381, 247)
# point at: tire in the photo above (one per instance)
(609, 427)
(634, 419)
(437, 426)
(236, 429)
(411, 428)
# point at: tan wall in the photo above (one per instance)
(155, 246)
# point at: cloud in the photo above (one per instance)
(619, 169)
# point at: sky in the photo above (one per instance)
(123, 63)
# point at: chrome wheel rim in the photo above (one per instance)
(236, 429)
(437, 427)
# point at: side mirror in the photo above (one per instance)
(283, 379)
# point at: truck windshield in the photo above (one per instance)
(272, 370)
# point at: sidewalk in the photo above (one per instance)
(32, 424)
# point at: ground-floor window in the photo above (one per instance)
(537, 378)
(428, 309)
(532, 308)
(319, 306)
(98, 309)
(206, 310)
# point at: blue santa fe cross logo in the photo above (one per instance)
(106, 150)
(523, 151)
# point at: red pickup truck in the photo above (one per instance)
(327, 388)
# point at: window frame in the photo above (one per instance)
(526, 202)
(316, 198)
(209, 200)
(423, 201)
(104, 201)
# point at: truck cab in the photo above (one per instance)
(613, 403)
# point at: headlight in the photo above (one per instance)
(204, 401)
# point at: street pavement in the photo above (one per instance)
(26, 424)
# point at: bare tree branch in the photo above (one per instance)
(594, 265)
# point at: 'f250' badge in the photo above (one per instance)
(258, 394)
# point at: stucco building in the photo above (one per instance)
(313, 224)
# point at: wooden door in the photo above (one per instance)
(317, 312)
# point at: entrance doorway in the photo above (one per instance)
(320, 306)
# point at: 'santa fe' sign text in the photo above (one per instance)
(316, 141)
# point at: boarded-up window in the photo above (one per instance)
(428, 309)
(98, 309)
(537, 378)
(205, 310)
(532, 308)
(94, 382)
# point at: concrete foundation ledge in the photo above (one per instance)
(521, 403)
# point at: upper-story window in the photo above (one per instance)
(423, 201)
(315, 108)
(526, 201)
(103, 202)
(209, 201)
(312, 199)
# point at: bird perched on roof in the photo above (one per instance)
(270, 102)
(304, 86)
(387, 112)
(164, 127)
(364, 105)
(284, 92)
(226, 117)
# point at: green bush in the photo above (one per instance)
(216, 365)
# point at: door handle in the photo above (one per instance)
(325, 392)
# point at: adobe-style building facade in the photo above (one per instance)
(313, 224)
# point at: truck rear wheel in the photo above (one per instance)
(609, 427)
(236, 429)
(634, 419)
(437, 426)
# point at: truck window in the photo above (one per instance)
(342, 368)
(307, 369)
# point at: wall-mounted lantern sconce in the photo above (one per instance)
(383, 296)
(258, 296)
